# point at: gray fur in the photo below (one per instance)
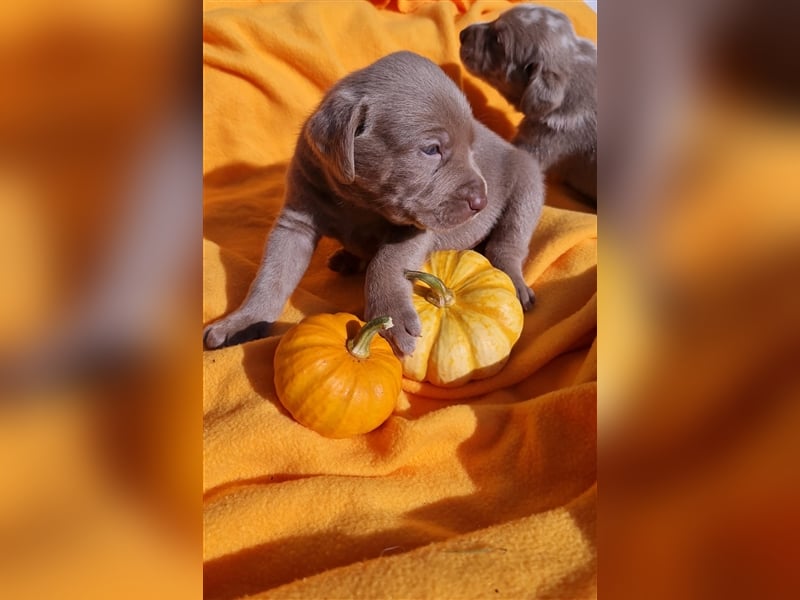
(533, 57)
(359, 174)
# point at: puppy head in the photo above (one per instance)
(396, 138)
(530, 54)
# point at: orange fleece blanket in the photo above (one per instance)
(487, 490)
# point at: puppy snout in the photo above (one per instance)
(467, 34)
(477, 201)
(475, 195)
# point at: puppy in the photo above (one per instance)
(394, 166)
(532, 56)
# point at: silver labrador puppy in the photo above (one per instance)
(532, 56)
(393, 165)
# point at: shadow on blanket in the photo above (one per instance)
(528, 427)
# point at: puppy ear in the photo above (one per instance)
(545, 91)
(332, 129)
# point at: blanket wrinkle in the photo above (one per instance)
(484, 562)
(488, 489)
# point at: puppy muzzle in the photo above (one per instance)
(462, 205)
(467, 34)
(474, 194)
(473, 51)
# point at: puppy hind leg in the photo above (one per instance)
(509, 260)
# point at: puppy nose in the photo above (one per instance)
(477, 200)
(474, 193)
(475, 196)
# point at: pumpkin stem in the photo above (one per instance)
(439, 294)
(359, 345)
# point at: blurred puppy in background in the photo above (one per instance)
(533, 57)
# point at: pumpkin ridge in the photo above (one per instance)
(379, 355)
(313, 327)
(496, 315)
(361, 402)
(484, 279)
(497, 309)
(455, 317)
(471, 281)
(495, 300)
(335, 417)
(469, 264)
(416, 365)
(306, 359)
(291, 374)
(437, 315)
(492, 321)
(442, 265)
(479, 295)
(347, 403)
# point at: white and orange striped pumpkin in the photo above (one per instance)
(471, 319)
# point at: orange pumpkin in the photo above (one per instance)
(337, 384)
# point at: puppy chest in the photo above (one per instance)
(359, 236)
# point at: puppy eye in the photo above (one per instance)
(432, 150)
(529, 69)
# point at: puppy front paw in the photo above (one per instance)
(511, 268)
(525, 294)
(406, 328)
(234, 329)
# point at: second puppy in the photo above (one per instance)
(533, 57)
(394, 166)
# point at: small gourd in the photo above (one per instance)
(471, 318)
(335, 376)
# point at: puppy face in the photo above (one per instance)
(528, 54)
(397, 139)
